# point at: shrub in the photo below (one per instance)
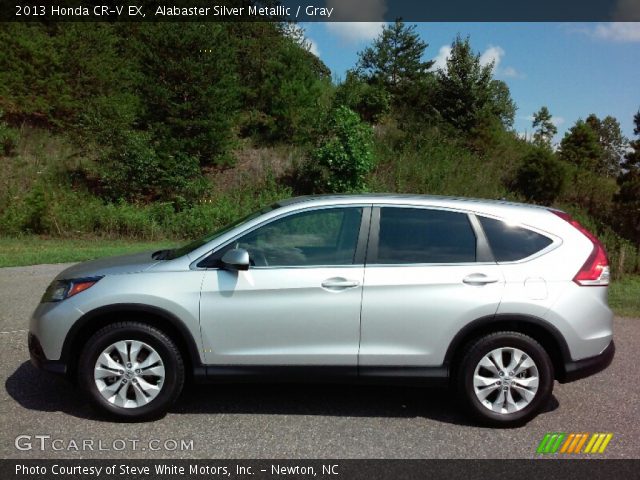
(541, 177)
(8, 138)
(345, 157)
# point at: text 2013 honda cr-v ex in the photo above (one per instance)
(495, 299)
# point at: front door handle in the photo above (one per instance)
(479, 279)
(339, 283)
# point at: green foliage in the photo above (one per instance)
(394, 67)
(285, 89)
(612, 142)
(628, 198)
(466, 92)
(395, 58)
(431, 163)
(62, 212)
(544, 128)
(8, 138)
(580, 147)
(369, 100)
(345, 157)
(189, 88)
(541, 177)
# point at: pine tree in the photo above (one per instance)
(544, 127)
(580, 147)
(467, 93)
(395, 58)
(394, 63)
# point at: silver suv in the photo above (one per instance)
(494, 299)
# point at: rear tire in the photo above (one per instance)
(505, 379)
(131, 371)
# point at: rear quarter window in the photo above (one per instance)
(511, 243)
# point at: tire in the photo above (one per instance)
(131, 394)
(509, 396)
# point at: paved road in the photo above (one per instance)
(295, 421)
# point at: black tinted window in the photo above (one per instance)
(511, 243)
(414, 235)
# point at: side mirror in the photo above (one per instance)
(236, 259)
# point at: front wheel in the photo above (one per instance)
(505, 379)
(131, 370)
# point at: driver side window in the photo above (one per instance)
(313, 238)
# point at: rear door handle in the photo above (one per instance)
(479, 279)
(339, 283)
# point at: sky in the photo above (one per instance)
(573, 68)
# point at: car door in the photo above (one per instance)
(427, 275)
(299, 302)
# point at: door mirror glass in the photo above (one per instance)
(236, 259)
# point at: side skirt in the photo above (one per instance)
(394, 375)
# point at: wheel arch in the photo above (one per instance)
(540, 330)
(96, 319)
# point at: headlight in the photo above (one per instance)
(61, 289)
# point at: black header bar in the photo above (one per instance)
(321, 10)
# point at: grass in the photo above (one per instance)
(33, 250)
(624, 294)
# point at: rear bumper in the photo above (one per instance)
(576, 370)
(39, 360)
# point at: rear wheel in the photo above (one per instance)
(505, 378)
(131, 371)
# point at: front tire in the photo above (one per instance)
(505, 379)
(131, 371)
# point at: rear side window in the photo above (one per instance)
(416, 235)
(511, 243)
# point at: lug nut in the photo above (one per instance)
(134, 380)
(121, 372)
(124, 380)
(138, 370)
(128, 365)
(511, 374)
(501, 373)
(505, 388)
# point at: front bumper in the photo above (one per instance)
(576, 370)
(39, 359)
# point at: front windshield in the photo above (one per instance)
(191, 246)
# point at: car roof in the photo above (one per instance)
(327, 199)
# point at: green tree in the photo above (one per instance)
(544, 128)
(345, 156)
(395, 60)
(541, 177)
(370, 100)
(612, 141)
(628, 198)
(580, 147)
(189, 88)
(466, 92)
(285, 89)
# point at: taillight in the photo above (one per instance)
(595, 271)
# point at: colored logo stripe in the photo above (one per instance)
(572, 443)
(550, 442)
(598, 442)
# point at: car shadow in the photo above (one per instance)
(40, 391)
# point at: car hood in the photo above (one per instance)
(137, 262)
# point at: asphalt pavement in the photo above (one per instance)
(45, 417)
